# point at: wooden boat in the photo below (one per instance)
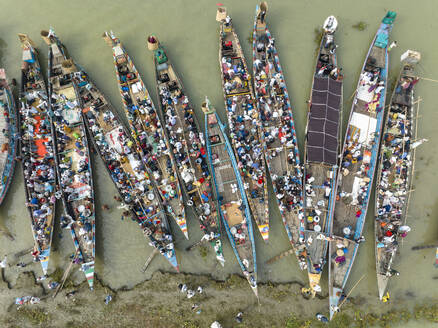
(37, 152)
(359, 157)
(72, 154)
(117, 150)
(230, 195)
(8, 137)
(278, 132)
(147, 132)
(187, 144)
(322, 147)
(394, 175)
(243, 120)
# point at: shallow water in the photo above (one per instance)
(189, 32)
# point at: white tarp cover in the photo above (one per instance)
(118, 51)
(137, 87)
(355, 189)
(112, 138)
(136, 163)
(366, 125)
(364, 95)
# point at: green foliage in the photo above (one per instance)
(341, 320)
(203, 251)
(294, 322)
(232, 282)
(361, 26)
(190, 324)
(36, 316)
(429, 313)
(57, 275)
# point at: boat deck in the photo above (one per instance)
(243, 119)
(394, 177)
(113, 143)
(149, 135)
(187, 140)
(37, 154)
(73, 156)
(229, 196)
(339, 270)
(278, 131)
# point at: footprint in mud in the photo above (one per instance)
(410, 294)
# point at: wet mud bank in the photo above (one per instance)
(159, 302)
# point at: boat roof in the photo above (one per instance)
(322, 133)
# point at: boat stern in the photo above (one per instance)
(330, 24)
(182, 224)
(110, 39)
(45, 264)
(217, 246)
(44, 257)
(221, 14)
(88, 269)
(382, 283)
(264, 231)
(314, 279)
(173, 261)
(152, 42)
(334, 299)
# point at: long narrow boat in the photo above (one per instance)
(37, 152)
(8, 137)
(230, 195)
(394, 175)
(359, 159)
(72, 154)
(147, 131)
(278, 133)
(187, 144)
(117, 150)
(243, 120)
(322, 146)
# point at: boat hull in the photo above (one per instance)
(359, 160)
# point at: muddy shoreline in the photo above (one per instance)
(158, 302)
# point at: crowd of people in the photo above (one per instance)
(37, 157)
(73, 156)
(148, 132)
(125, 165)
(357, 151)
(186, 141)
(190, 153)
(394, 179)
(243, 122)
(277, 124)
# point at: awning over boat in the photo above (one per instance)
(323, 127)
(366, 127)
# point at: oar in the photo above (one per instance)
(416, 248)
(280, 256)
(149, 260)
(7, 234)
(23, 252)
(198, 243)
(427, 79)
(349, 293)
(64, 277)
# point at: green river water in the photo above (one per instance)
(189, 32)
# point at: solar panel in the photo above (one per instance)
(323, 126)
